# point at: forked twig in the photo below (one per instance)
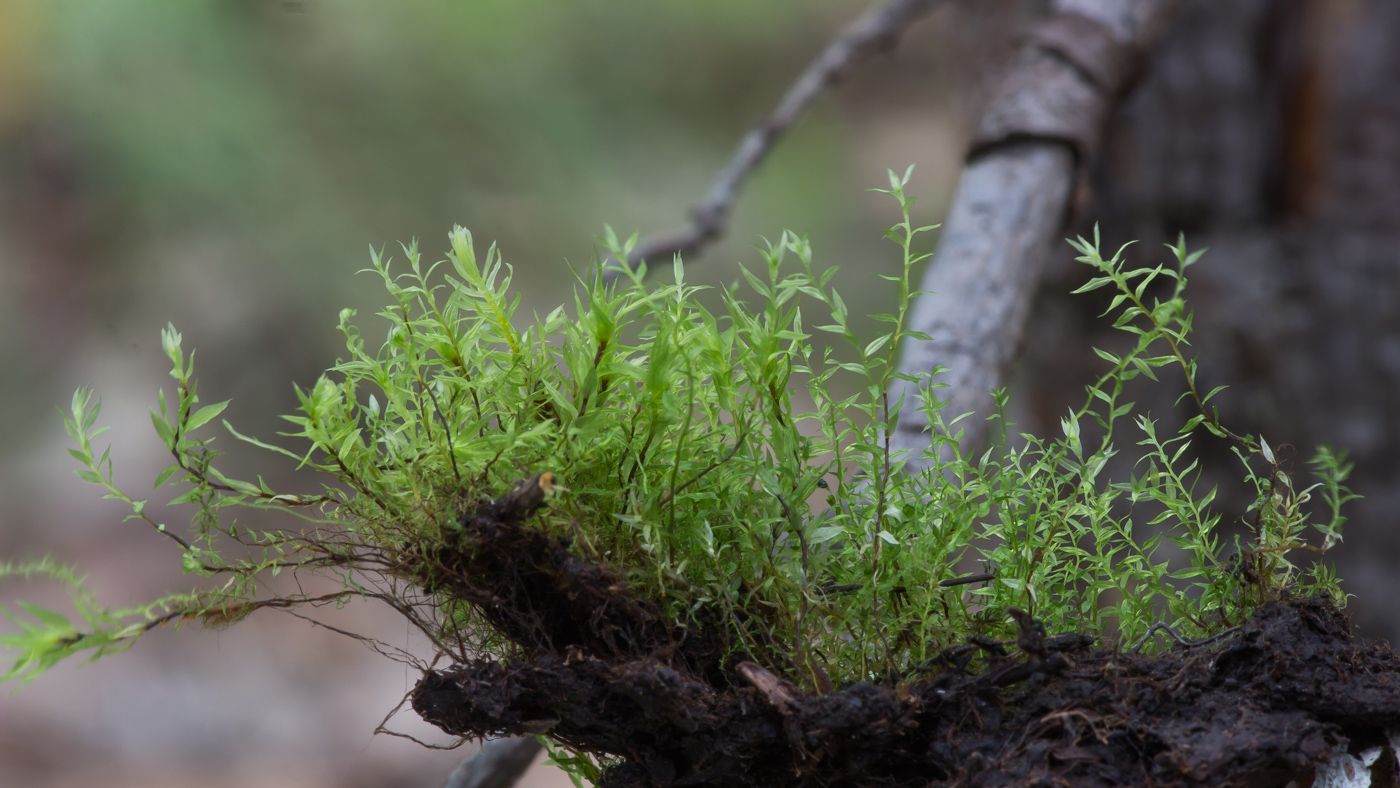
(875, 31)
(697, 477)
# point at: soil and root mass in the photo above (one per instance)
(1261, 705)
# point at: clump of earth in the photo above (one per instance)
(1264, 705)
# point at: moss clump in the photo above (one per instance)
(682, 468)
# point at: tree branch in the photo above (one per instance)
(1041, 125)
(878, 30)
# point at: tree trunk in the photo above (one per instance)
(1269, 131)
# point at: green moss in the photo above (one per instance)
(704, 457)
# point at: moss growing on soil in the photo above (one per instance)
(626, 533)
(1264, 706)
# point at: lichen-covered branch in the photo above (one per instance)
(1040, 126)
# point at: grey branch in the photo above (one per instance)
(878, 30)
(1041, 124)
(500, 764)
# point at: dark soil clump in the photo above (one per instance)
(1260, 707)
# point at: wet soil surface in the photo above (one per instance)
(1260, 707)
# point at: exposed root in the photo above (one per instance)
(533, 590)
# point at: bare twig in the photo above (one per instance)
(500, 764)
(697, 477)
(985, 577)
(878, 30)
(778, 692)
(1161, 627)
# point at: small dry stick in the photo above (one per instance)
(777, 691)
(877, 30)
(985, 577)
(1161, 627)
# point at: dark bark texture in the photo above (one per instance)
(1269, 131)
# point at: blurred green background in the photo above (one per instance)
(225, 164)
